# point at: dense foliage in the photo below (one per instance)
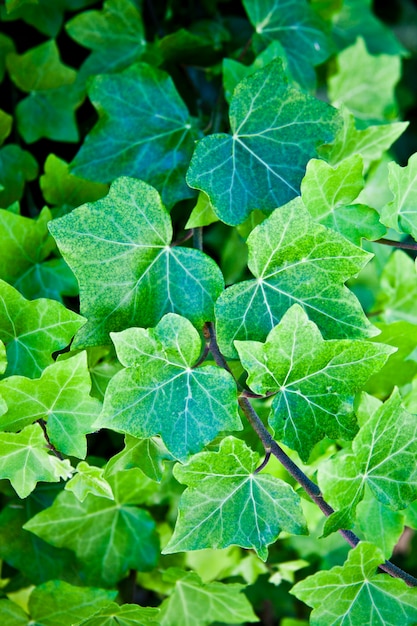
(208, 313)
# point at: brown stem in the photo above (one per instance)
(397, 244)
(50, 445)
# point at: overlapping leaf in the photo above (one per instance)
(314, 380)
(222, 483)
(355, 593)
(147, 454)
(89, 479)
(119, 250)
(276, 129)
(294, 260)
(39, 68)
(401, 213)
(160, 392)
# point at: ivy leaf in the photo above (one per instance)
(161, 393)
(302, 33)
(39, 68)
(401, 213)
(33, 330)
(118, 248)
(355, 593)
(163, 132)
(217, 602)
(382, 458)
(314, 380)
(396, 299)
(6, 122)
(294, 260)
(379, 524)
(221, 483)
(125, 615)
(89, 479)
(25, 462)
(276, 129)
(60, 397)
(99, 530)
(147, 454)
(12, 5)
(16, 167)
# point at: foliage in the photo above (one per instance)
(208, 342)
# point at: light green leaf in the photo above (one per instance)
(153, 140)
(33, 330)
(161, 393)
(302, 33)
(356, 594)
(16, 167)
(202, 214)
(368, 92)
(201, 604)
(382, 458)
(119, 250)
(6, 122)
(294, 260)
(60, 398)
(39, 68)
(146, 454)
(11, 614)
(401, 213)
(314, 380)
(275, 130)
(89, 479)
(397, 298)
(125, 615)
(379, 524)
(25, 462)
(222, 483)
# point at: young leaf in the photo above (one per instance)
(152, 140)
(33, 330)
(125, 615)
(401, 213)
(25, 462)
(39, 68)
(355, 593)
(276, 129)
(147, 454)
(314, 380)
(118, 248)
(222, 483)
(89, 479)
(294, 260)
(60, 397)
(161, 393)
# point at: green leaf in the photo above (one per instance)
(16, 167)
(147, 454)
(368, 92)
(276, 129)
(25, 462)
(33, 330)
(125, 615)
(153, 140)
(60, 398)
(6, 122)
(222, 483)
(314, 380)
(355, 593)
(397, 298)
(119, 250)
(216, 602)
(11, 614)
(109, 537)
(202, 214)
(6, 46)
(302, 33)
(39, 68)
(89, 479)
(379, 524)
(401, 213)
(12, 5)
(382, 458)
(161, 393)
(294, 260)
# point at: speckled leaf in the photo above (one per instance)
(125, 615)
(118, 248)
(160, 392)
(314, 380)
(33, 330)
(275, 131)
(89, 479)
(152, 140)
(401, 213)
(16, 167)
(222, 483)
(355, 593)
(39, 68)
(294, 260)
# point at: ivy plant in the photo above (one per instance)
(208, 313)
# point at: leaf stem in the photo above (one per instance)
(198, 238)
(397, 244)
(49, 444)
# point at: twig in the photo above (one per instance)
(48, 441)
(397, 244)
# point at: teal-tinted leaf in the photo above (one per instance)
(382, 457)
(119, 250)
(60, 398)
(16, 167)
(275, 131)
(379, 524)
(397, 298)
(201, 603)
(152, 140)
(401, 213)
(302, 33)
(33, 330)
(25, 462)
(294, 260)
(161, 393)
(147, 454)
(314, 380)
(39, 68)
(115, 35)
(368, 92)
(109, 537)
(89, 479)
(125, 615)
(355, 593)
(223, 483)
(6, 122)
